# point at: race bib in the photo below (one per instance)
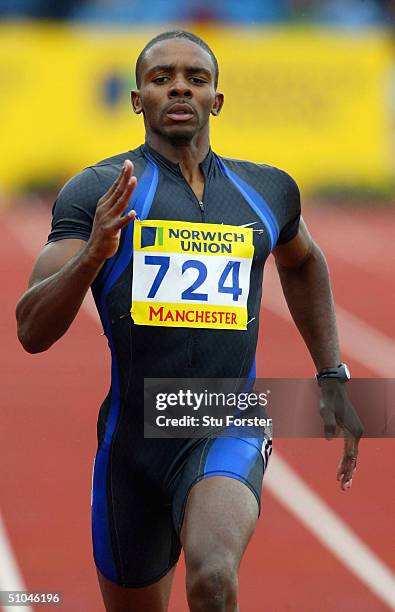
(191, 274)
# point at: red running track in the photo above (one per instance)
(47, 437)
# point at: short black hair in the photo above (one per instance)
(177, 34)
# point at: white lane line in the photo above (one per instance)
(367, 345)
(359, 340)
(10, 577)
(281, 479)
(376, 351)
(301, 501)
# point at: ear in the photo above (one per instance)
(136, 101)
(218, 104)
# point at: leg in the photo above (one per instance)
(154, 598)
(220, 517)
(135, 544)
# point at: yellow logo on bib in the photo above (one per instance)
(191, 274)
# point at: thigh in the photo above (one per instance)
(242, 459)
(217, 501)
(220, 518)
(135, 544)
(154, 598)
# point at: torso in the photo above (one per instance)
(208, 345)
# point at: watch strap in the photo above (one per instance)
(341, 372)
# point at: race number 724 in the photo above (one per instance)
(228, 281)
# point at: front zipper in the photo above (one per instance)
(192, 332)
(200, 202)
(201, 206)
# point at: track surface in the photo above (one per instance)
(47, 436)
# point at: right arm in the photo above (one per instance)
(65, 270)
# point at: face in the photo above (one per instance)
(177, 92)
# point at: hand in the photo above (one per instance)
(337, 410)
(348, 464)
(109, 219)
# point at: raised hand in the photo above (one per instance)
(109, 218)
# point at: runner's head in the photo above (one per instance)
(171, 35)
(177, 77)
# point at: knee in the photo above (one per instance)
(212, 586)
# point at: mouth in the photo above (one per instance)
(180, 112)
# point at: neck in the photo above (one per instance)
(188, 155)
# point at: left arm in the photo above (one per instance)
(304, 277)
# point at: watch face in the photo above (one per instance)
(346, 371)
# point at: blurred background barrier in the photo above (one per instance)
(317, 102)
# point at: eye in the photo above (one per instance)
(160, 80)
(198, 80)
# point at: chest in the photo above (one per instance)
(221, 204)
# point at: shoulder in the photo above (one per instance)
(107, 170)
(278, 189)
(95, 180)
(80, 187)
(75, 207)
(263, 175)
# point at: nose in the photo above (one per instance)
(180, 88)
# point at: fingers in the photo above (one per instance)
(120, 183)
(345, 475)
(115, 200)
(348, 464)
(130, 216)
(125, 181)
(120, 204)
(115, 184)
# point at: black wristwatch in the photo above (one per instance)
(341, 372)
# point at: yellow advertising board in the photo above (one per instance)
(315, 103)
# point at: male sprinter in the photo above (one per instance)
(170, 314)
